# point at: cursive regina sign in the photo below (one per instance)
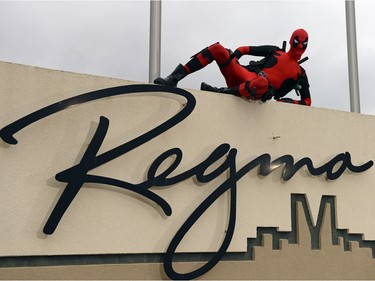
(223, 158)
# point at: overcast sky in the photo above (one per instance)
(112, 39)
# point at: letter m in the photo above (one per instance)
(326, 217)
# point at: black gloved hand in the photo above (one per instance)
(269, 94)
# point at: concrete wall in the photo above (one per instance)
(107, 220)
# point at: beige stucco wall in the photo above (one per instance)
(105, 220)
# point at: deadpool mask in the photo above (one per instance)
(298, 43)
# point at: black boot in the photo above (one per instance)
(172, 80)
(230, 91)
(206, 87)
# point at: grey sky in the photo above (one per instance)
(111, 39)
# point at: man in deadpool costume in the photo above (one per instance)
(274, 76)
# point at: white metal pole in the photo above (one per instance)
(155, 40)
(352, 56)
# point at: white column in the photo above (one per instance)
(155, 40)
(352, 56)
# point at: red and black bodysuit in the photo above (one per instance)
(274, 76)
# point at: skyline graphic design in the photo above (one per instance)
(300, 214)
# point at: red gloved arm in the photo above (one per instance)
(239, 52)
(260, 51)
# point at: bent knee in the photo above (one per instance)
(219, 53)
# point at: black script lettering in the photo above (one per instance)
(197, 171)
(78, 175)
(265, 168)
(229, 184)
(6, 133)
